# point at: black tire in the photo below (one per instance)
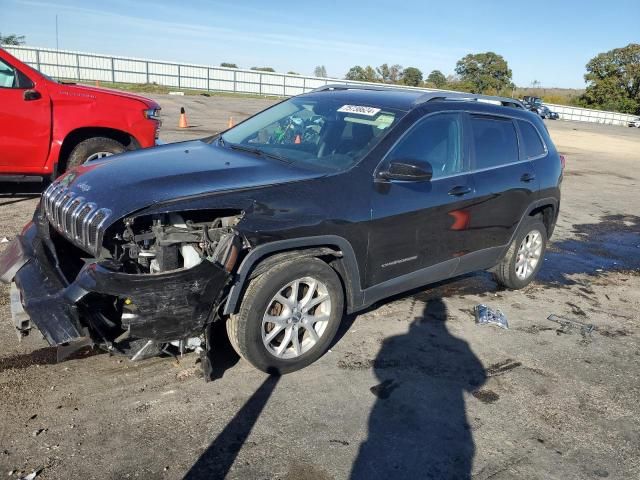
(245, 329)
(92, 146)
(505, 272)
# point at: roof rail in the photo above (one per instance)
(462, 96)
(356, 86)
(427, 96)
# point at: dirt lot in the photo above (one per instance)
(412, 387)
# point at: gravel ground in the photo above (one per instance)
(411, 388)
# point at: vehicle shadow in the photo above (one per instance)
(217, 459)
(418, 426)
(21, 190)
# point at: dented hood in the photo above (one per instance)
(131, 181)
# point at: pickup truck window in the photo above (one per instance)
(12, 78)
(7, 75)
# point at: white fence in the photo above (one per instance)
(79, 66)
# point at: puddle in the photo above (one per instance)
(613, 245)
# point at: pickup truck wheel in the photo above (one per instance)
(288, 317)
(525, 256)
(93, 149)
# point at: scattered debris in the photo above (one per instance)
(486, 316)
(32, 475)
(502, 367)
(4, 240)
(567, 324)
(384, 389)
(38, 431)
(486, 396)
(341, 442)
(181, 94)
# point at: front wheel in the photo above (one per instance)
(288, 317)
(93, 149)
(525, 256)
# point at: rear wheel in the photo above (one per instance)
(93, 149)
(525, 256)
(288, 317)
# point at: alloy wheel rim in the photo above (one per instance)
(528, 254)
(98, 155)
(296, 318)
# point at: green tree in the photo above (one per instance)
(360, 74)
(383, 72)
(486, 72)
(228, 65)
(263, 69)
(437, 78)
(613, 80)
(395, 73)
(292, 73)
(320, 71)
(412, 76)
(12, 39)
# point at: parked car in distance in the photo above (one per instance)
(47, 127)
(318, 206)
(545, 112)
(531, 100)
(635, 123)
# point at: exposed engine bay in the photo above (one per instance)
(157, 282)
(172, 241)
(171, 270)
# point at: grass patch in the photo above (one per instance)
(154, 88)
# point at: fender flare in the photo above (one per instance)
(542, 202)
(350, 273)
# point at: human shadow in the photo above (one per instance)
(216, 461)
(418, 426)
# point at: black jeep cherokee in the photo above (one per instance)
(320, 205)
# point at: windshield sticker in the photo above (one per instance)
(360, 110)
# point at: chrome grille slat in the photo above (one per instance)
(81, 222)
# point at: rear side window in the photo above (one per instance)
(495, 141)
(532, 145)
(436, 139)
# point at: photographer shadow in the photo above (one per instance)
(418, 426)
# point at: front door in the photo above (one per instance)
(420, 224)
(25, 122)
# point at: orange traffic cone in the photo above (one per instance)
(297, 140)
(183, 119)
(230, 124)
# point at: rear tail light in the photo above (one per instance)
(562, 161)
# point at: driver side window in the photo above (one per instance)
(7, 75)
(436, 139)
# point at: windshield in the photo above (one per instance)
(321, 132)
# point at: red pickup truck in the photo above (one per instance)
(48, 127)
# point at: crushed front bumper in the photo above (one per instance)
(164, 307)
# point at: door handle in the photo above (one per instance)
(527, 177)
(459, 190)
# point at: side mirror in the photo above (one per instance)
(31, 95)
(408, 170)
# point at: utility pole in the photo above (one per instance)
(57, 45)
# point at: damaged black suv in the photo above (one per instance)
(318, 206)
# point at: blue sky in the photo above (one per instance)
(548, 41)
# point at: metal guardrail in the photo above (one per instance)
(81, 66)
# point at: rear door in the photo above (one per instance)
(505, 180)
(420, 224)
(25, 122)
